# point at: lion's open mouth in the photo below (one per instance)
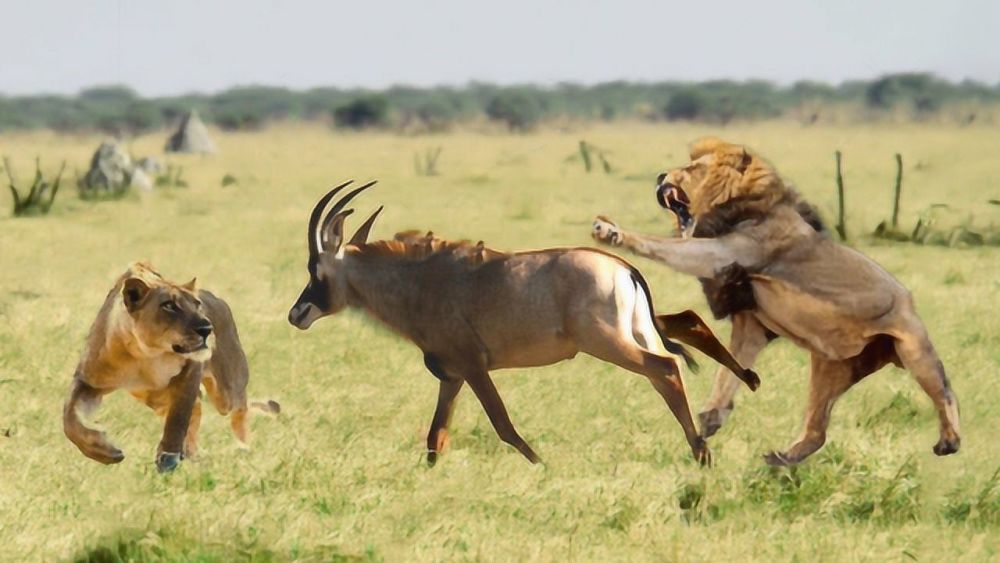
(673, 198)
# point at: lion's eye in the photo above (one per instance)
(170, 307)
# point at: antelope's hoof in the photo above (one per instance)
(947, 447)
(432, 458)
(167, 461)
(778, 459)
(107, 455)
(702, 454)
(751, 378)
(711, 422)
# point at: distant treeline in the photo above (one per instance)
(118, 109)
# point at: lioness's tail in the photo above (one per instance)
(239, 420)
(690, 329)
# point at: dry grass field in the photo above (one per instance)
(339, 475)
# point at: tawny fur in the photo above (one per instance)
(157, 355)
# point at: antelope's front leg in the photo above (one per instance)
(183, 390)
(437, 437)
(92, 443)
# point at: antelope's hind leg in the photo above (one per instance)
(606, 343)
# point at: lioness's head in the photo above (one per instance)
(718, 172)
(166, 317)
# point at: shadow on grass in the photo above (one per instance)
(154, 546)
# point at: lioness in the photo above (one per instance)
(160, 341)
(766, 262)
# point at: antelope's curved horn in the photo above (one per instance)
(317, 213)
(361, 235)
(341, 203)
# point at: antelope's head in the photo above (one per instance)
(326, 292)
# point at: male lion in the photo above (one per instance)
(160, 341)
(766, 262)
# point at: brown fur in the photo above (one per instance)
(471, 310)
(766, 262)
(145, 340)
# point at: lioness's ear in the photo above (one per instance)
(191, 286)
(744, 161)
(134, 292)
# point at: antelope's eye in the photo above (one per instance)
(170, 307)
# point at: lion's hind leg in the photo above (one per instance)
(827, 382)
(917, 354)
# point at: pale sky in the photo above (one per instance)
(175, 46)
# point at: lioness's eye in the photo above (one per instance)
(169, 306)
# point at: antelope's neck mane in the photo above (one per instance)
(406, 247)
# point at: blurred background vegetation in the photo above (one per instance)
(897, 97)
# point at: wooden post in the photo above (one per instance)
(899, 187)
(841, 227)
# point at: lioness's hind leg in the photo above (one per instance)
(239, 421)
(663, 372)
(919, 358)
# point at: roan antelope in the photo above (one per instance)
(471, 310)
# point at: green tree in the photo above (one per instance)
(363, 112)
(516, 109)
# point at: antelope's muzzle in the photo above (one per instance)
(301, 315)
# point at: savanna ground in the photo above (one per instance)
(340, 473)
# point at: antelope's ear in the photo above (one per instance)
(134, 293)
(361, 235)
(332, 236)
(191, 286)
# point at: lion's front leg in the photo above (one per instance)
(701, 257)
(183, 390)
(92, 443)
(748, 339)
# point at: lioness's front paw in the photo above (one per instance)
(167, 461)
(606, 231)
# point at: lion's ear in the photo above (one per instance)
(745, 159)
(191, 286)
(134, 293)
